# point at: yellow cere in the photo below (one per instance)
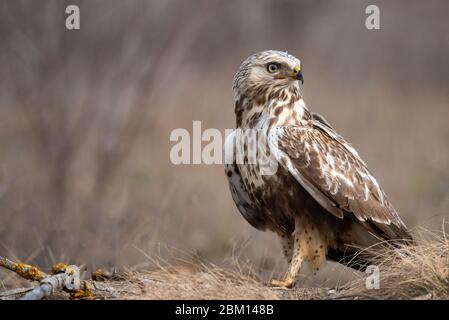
(297, 69)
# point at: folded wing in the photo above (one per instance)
(335, 176)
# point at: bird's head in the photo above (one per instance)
(266, 71)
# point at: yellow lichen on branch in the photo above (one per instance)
(27, 271)
(83, 293)
(60, 279)
(59, 267)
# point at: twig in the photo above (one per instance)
(26, 271)
(48, 287)
(355, 296)
(14, 293)
(63, 278)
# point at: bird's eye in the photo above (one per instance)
(272, 67)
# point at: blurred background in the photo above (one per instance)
(85, 119)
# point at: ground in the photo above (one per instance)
(414, 271)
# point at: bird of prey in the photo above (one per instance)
(322, 201)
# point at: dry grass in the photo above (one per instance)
(205, 283)
(409, 272)
(418, 271)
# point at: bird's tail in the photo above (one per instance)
(360, 259)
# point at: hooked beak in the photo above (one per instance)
(300, 77)
(297, 74)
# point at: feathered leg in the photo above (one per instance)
(292, 251)
(287, 243)
(309, 245)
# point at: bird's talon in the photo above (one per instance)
(287, 283)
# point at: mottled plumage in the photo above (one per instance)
(322, 200)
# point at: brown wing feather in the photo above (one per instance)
(334, 174)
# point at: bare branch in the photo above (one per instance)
(24, 270)
(14, 293)
(61, 279)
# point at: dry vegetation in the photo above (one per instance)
(408, 272)
(418, 271)
(85, 119)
